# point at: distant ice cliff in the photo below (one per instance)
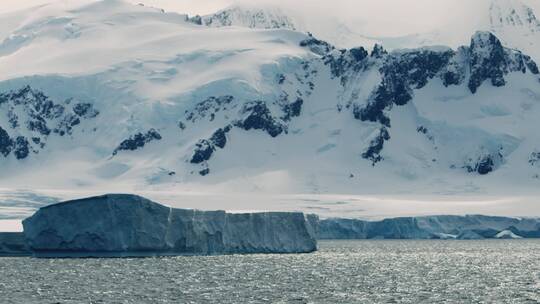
(431, 227)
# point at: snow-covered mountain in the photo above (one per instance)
(251, 17)
(95, 93)
(513, 21)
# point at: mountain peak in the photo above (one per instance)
(250, 16)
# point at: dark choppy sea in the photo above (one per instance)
(495, 271)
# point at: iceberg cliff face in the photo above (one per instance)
(126, 224)
(431, 227)
(13, 244)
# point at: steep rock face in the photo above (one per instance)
(490, 60)
(125, 224)
(487, 61)
(429, 227)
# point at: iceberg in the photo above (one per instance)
(431, 227)
(13, 244)
(130, 225)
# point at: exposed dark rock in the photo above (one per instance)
(425, 131)
(374, 109)
(347, 60)
(450, 77)
(422, 130)
(257, 116)
(85, 110)
(20, 148)
(401, 72)
(31, 109)
(487, 61)
(181, 125)
(317, 46)
(6, 143)
(219, 138)
(293, 109)
(358, 53)
(376, 145)
(203, 151)
(209, 107)
(204, 171)
(484, 165)
(531, 65)
(281, 78)
(205, 148)
(378, 51)
(137, 141)
(195, 19)
(13, 119)
(533, 159)
(455, 71)
(65, 126)
(39, 125)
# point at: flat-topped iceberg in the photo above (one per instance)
(126, 225)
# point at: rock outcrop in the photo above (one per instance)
(138, 141)
(124, 225)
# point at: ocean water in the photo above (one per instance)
(491, 271)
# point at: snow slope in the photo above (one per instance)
(97, 95)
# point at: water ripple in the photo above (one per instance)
(495, 271)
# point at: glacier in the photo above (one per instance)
(125, 225)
